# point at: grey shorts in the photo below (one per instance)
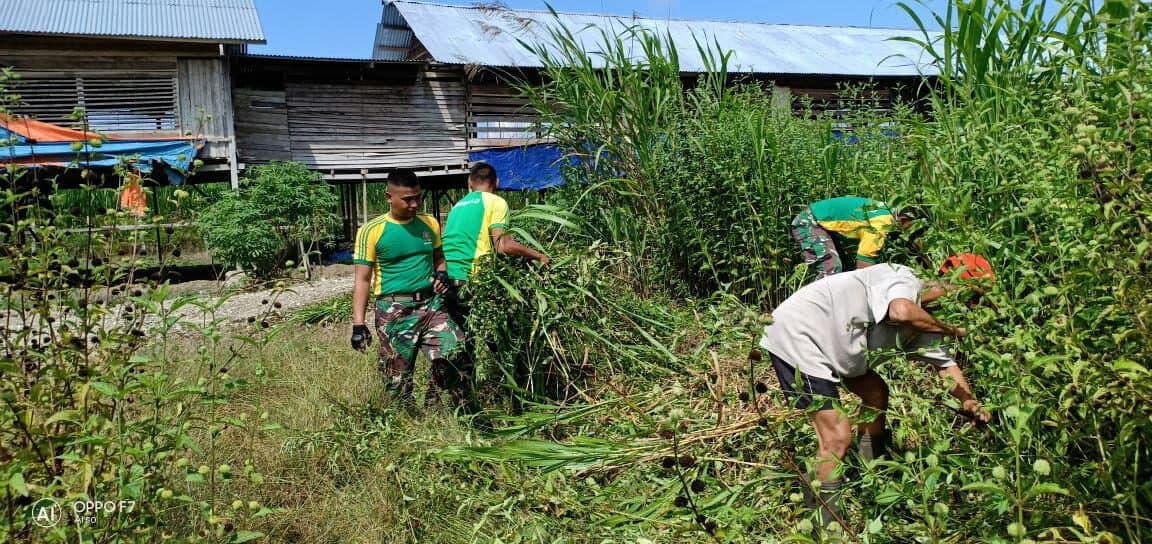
(803, 390)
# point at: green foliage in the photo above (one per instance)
(277, 206)
(642, 419)
(554, 327)
(95, 411)
(721, 170)
(334, 311)
(239, 234)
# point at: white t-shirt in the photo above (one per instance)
(827, 327)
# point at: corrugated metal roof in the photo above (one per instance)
(488, 36)
(220, 21)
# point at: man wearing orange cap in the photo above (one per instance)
(821, 336)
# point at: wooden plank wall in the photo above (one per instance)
(261, 125)
(36, 56)
(206, 103)
(372, 125)
(492, 104)
(53, 83)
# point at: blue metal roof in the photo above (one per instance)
(217, 21)
(488, 36)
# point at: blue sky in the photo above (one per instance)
(346, 28)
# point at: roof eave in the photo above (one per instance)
(227, 41)
(695, 72)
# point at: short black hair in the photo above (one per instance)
(482, 172)
(403, 177)
(913, 212)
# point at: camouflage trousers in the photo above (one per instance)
(407, 327)
(817, 244)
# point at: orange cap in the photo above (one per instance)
(972, 266)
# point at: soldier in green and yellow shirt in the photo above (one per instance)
(395, 257)
(475, 228)
(845, 233)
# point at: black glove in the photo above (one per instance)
(442, 277)
(361, 337)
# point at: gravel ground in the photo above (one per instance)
(328, 282)
(237, 308)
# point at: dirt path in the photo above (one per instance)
(277, 303)
(235, 307)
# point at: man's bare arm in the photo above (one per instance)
(438, 261)
(906, 312)
(440, 264)
(506, 244)
(962, 392)
(362, 284)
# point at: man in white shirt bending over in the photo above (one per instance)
(820, 338)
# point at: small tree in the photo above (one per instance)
(278, 205)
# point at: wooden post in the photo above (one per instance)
(782, 99)
(155, 212)
(364, 195)
(233, 166)
(345, 214)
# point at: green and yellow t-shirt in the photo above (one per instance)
(400, 253)
(856, 220)
(468, 231)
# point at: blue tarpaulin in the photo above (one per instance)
(526, 168)
(35, 144)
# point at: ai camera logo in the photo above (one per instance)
(46, 513)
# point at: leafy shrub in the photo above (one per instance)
(96, 412)
(277, 206)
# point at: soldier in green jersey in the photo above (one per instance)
(395, 257)
(475, 228)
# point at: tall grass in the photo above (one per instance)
(697, 187)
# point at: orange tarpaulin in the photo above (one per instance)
(39, 131)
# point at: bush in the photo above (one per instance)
(698, 187)
(277, 206)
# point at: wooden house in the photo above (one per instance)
(144, 69)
